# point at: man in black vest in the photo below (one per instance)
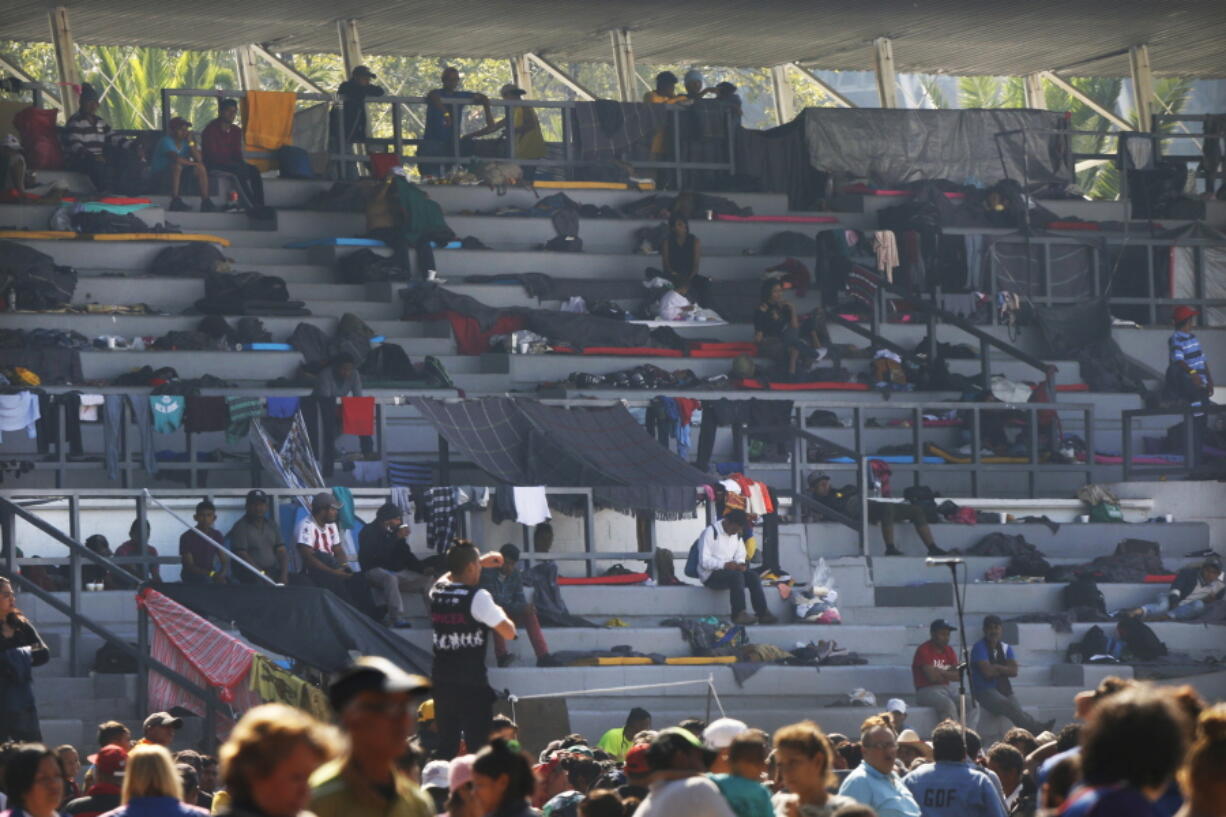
(462, 616)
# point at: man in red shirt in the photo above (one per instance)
(222, 143)
(104, 794)
(934, 668)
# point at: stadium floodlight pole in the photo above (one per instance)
(964, 665)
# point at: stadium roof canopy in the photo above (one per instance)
(998, 37)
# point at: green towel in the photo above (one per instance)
(242, 411)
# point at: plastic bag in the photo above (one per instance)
(817, 604)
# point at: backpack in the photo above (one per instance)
(388, 361)
(104, 222)
(311, 341)
(566, 225)
(294, 162)
(34, 277)
(363, 266)
(196, 260)
(113, 660)
(1083, 591)
(1140, 639)
(1106, 512)
(694, 558)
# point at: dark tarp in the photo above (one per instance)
(890, 147)
(305, 623)
(777, 160)
(524, 442)
(1019, 266)
(1083, 333)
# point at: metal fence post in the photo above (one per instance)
(142, 668)
(74, 587)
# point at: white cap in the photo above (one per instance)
(437, 774)
(399, 170)
(720, 733)
(896, 705)
(11, 141)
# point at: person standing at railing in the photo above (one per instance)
(222, 145)
(439, 138)
(1188, 377)
(355, 91)
(21, 650)
(529, 141)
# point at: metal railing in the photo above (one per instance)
(1190, 456)
(10, 511)
(459, 151)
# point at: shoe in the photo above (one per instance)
(768, 618)
(933, 550)
(178, 205)
(506, 660)
(745, 618)
(402, 624)
(890, 550)
(207, 206)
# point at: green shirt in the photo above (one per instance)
(746, 798)
(337, 791)
(615, 743)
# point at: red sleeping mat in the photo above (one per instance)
(1074, 225)
(865, 190)
(1067, 387)
(814, 386)
(626, 351)
(744, 346)
(1158, 578)
(625, 578)
(782, 219)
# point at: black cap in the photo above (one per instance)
(363, 71)
(372, 673)
(228, 102)
(1213, 561)
(388, 510)
(668, 742)
(257, 496)
(940, 624)
(992, 620)
(324, 499)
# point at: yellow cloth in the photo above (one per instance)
(549, 185)
(272, 683)
(751, 547)
(268, 123)
(628, 661)
(531, 143)
(338, 791)
(221, 802)
(659, 141)
(699, 660)
(68, 235)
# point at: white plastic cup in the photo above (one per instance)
(1084, 518)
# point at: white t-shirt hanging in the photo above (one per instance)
(531, 506)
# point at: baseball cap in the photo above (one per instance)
(324, 499)
(178, 122)
(372, 673)
(693, 75)
(1182, 313)
(461, 771)
(511, 88)
(163, 719)
(111, 761)
(363, 71)
(896, 705)
(436, 775)
(636, 759)
(721, 732)
(425, 712)
(11, 141)
(671, 740)
(388, 510)
(1213, 561)
(940, 624)
(256, 496)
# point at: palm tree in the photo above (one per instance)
(129, 82)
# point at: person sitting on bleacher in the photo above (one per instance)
(222, 145)
(776, 329)
(674, 305)
(176, 152)
(723, 565)
(934, 668)
(679, 255)
(12, 166)
(886, 514)
(131, 548)
(1193, 588)
(992, 665)
(87, 138)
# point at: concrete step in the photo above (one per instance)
(138, 255)
(292, 273)
(1006, 598)
(177, 294)
(107, 365)
(457, 198)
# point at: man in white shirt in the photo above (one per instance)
(318, 541)
(723, 565)
(679, 786)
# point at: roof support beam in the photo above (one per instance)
(65, 58)
(351, 45)
(825, 87)
(785, 104)
(248, 68)
(286, 69)
(521, 74)
(1032, 91)
(1066, 86)
(1142, 86)
(25, 76)
(623, 63)
(561, 76)
(887, 87)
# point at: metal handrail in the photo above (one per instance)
(1190, 456)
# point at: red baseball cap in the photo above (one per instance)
(636, 759)
(1183, 313)
(111, 761)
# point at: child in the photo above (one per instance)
(196, 553)
(743, 788)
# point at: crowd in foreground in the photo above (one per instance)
(1138, 749)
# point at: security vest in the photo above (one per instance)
(459, 639)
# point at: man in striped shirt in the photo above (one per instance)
(1188, 374)
(88, 138)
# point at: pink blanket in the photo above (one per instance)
(783, 219)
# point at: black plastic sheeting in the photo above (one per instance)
(305, 623)
(891, 147)
(525, 442)
(1083, 333)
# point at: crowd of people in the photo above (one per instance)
(1138, 749)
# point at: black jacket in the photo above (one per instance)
(1185, 582)
(379, 547)
(355, 95)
